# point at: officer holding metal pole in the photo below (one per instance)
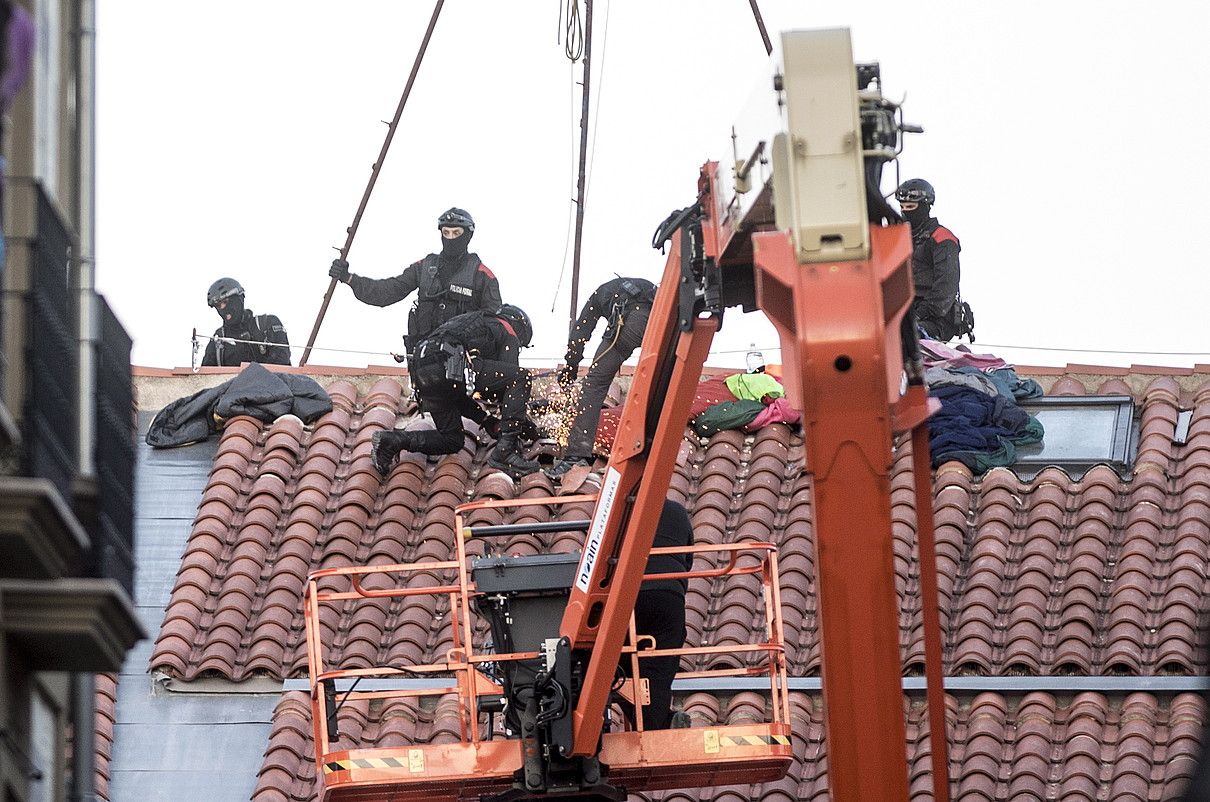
(446, 284)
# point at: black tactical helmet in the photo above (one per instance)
(916, 190)
(223, 289)
(517, 318)
(456, 217)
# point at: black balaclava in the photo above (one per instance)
(452, 250)
(919, 216)
(233, 313)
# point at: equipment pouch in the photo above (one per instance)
(963, 319)
(458, 367)
(413, 329)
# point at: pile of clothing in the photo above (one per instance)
(758, 399)
(981, 423)
(747, 401)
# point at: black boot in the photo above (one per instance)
(566, 464)
(386, 447)
(507, 457)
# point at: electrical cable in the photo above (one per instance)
(617, 334)
(200, 337)
(233, 341)
(1018, 347)
(348, 693)
(1095, 350)
(573, 29)
(724, 351)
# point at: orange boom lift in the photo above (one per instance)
(796, 228)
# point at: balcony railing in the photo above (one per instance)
(49, 414)
(112, 534)
(44, 306)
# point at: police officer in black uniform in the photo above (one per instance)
(244, 336)
(446, 284)
(659, 611)
(625, 305)
(473, 354)
(939, 309)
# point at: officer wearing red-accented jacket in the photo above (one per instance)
(659, 612)
(939, 309)
(447, 284)
(473, 356)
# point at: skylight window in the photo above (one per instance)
(1081, 431)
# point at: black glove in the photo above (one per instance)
(566, 375)
(339, 270)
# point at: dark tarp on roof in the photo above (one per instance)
(254, 391)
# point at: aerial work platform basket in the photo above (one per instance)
(519, 600)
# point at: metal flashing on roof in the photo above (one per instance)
(1183, 418)
(964, 684)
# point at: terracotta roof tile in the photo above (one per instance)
(106, 702)
(1102, 575)
(1041, 747)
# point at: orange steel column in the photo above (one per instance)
(839, 326)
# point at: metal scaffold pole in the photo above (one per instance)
(760, 23)
(351, 231)
(580, 188)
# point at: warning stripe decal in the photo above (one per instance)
(364, 763)
(753, 740)
(395, 763)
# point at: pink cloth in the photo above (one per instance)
(778, 411)
(939, 355)
(710, 392)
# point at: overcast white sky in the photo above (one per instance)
(235, 139)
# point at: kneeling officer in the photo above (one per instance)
(475, 353)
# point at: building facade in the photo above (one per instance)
(66, 430)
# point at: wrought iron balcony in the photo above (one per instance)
(66, 529)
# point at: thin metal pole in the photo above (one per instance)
(930, 601)
(575, 259)
(374, 171)
(760, 23)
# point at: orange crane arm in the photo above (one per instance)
(837, 286)
(632, 495)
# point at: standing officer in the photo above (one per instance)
(446, 284)
(473, 354)
(659, 611)
(243, 337)
(939, 308)
(625, 303)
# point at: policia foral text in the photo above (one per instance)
(447, 284)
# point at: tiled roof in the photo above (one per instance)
(106, 716)
(1097, 576)
(1088, 747)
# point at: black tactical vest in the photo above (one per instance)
(438, 299)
